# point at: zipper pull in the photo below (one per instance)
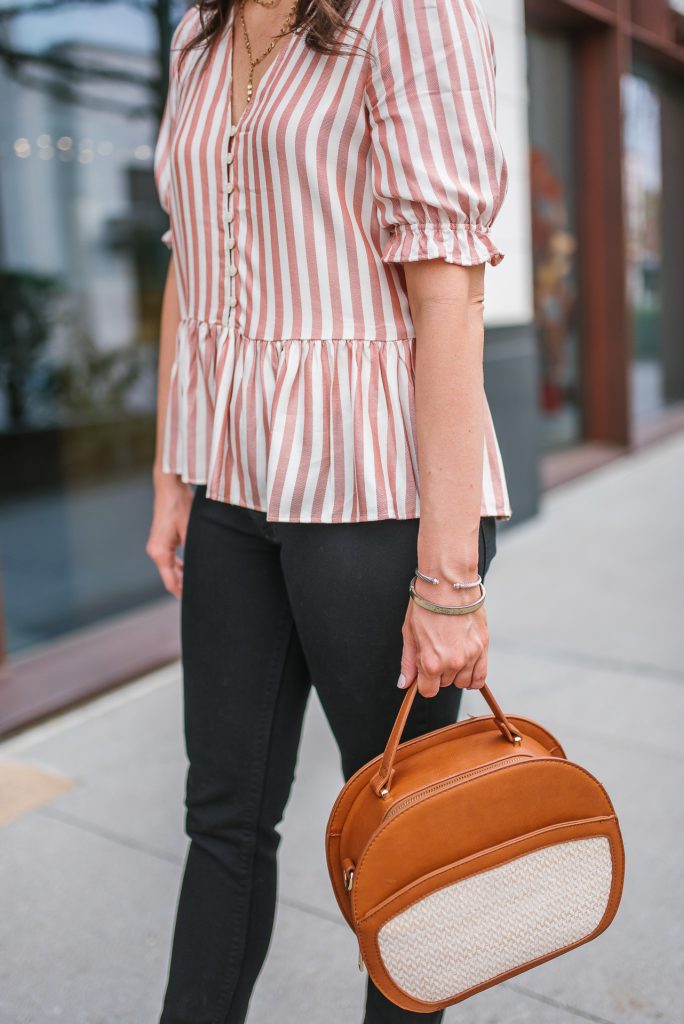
(360, 960)
(348, 873)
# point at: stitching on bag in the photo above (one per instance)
(483, 871)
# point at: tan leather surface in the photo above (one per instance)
(461, 799)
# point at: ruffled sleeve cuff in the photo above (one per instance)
(467, 244)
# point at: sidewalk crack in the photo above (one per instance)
(586, 660)
(104, 833)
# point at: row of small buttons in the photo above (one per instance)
(232, 268)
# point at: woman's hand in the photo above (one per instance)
(441, 650)
(172, 502)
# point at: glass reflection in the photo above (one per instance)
(81, 273)
(643, 212)
(554, 234)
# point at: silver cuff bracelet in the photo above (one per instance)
(456, 586)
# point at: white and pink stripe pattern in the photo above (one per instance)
(299, 400)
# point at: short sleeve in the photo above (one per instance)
(438, 169)
(162, 152)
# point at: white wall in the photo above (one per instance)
(509, 286)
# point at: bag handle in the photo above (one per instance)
(382, 779)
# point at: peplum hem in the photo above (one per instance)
(464, 243)
(305, 430)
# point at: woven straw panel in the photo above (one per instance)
(471, 931)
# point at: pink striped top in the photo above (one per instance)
(292, 388)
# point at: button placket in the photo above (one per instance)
(230, 240)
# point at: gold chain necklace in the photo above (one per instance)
(254, 61)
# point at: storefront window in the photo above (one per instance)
(554, 233)
(643, 199)
(81, 273)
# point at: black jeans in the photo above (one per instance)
(268, 610)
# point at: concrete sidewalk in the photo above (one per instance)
(89, 877)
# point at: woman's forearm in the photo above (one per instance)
(172, 498)
(170, 318)
(447, 304)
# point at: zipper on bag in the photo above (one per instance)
(455, 780)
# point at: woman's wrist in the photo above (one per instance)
(455, 558)
(452, 559)
(161, 479)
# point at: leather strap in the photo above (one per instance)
(382, 780)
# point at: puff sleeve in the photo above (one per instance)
(438, 169)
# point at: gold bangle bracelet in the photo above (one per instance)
(446, 609)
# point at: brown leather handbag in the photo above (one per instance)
(470, 854)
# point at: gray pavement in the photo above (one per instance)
(89, 877)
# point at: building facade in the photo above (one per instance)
(585, 348)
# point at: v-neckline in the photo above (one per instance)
(268, 73)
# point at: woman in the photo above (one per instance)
(331, 170)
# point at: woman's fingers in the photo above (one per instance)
(429, 686)
(464, 676)
(162, 550)
(472, 676)
(171, 581)
(429, 675)
(479, 673)
(166, 561)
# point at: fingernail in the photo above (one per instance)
(401, 682)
